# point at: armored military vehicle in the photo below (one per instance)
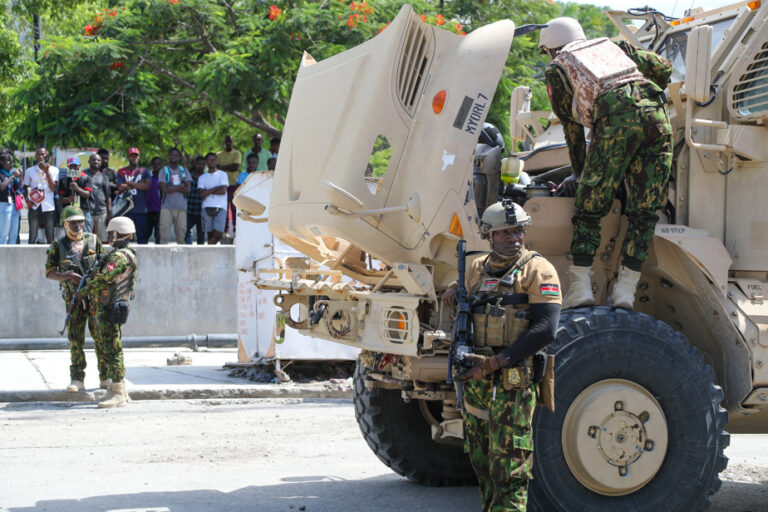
(374, 186)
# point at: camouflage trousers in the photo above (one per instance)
(632, 147)
(81, 315)
(110, 340)
(501, 447)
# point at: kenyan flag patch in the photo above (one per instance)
(550, 289)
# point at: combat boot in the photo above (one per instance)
(116, 396)
(623, 293)
(105, 383)
(580, 288)
(75, 386)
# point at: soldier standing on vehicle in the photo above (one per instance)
(521, 292)
(68, 259)
(617, 92)
(108, 293)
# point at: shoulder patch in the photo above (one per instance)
(550, 289)
(111, 266)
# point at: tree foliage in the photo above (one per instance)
(158, 73)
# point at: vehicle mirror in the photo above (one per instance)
(698, 64)
(339, 197)
(248, 205)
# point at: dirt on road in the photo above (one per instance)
(238, 455)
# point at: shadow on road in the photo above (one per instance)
(741, 497)
(300, 493)
(335, 494)
(178, 375)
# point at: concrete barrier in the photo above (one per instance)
(180, 290)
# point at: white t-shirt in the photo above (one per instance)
(208, 181)
(34, 177)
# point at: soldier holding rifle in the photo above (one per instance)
(514, 300)
(69, 259)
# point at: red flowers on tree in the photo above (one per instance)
(173, 2)
(91, 29)
(275, 12)
(362, 10)
(440, 21)
(118, 64)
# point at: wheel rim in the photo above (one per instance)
(614, 437)
(429, 415)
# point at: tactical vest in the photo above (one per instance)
(122, 287)
(499, 320)
(71, 261)
(593, 68)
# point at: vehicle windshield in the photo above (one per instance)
(674, 46)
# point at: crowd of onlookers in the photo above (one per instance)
(189, 203)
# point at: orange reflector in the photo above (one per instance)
(674, 23)
(686, 20)
(456, 226)
(438, 102)
(755, 5)
(397, 321)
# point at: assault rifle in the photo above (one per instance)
(461, 339)
(73, 302)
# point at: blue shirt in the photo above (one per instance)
(126, 174)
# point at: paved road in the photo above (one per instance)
(233, 455)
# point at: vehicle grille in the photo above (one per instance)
(750, 94)
(418, 50)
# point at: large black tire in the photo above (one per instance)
(400, 436)
(596, 344)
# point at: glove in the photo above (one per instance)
(484, 366)
(569, 186)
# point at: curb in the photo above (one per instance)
(182, 393)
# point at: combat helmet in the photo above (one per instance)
(559, 32)
(123, 227)
(491, 136)
(71, 213)
(502, 215)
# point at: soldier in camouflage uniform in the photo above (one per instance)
(519, 319)
(67, 260)
(108, 294)
(617, 92)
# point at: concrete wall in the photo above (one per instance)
(180, 290)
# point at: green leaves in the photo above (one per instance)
(185, 72)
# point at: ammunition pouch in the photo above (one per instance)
(117, 313)
(495, 326)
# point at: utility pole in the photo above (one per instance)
(36, 32)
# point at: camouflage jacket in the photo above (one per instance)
(655, 68)
(64, 255)
(115, 280)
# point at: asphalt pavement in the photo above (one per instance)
(43, 375)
